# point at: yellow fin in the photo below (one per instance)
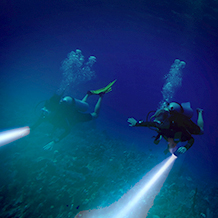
(106, 89)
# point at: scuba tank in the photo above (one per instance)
(79, 105)
(188, 111)
(184, 108)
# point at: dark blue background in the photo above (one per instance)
(135, 42)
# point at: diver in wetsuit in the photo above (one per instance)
(174, 123)
(65, 112)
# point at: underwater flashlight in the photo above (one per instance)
(9, 136)
(176, 154)
(139, 199)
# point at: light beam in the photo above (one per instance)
(9, 136)
(145, 189)
(138, 200)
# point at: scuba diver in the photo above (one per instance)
(65, 112)
(173, 123)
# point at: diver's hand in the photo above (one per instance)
(49, 146)
(181, 150)
(132, 121)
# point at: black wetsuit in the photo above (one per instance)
(63, 116)
(175, 124)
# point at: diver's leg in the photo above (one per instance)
(97, 107)
(86, 96)
(200, 120)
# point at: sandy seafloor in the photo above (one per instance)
(135, 43)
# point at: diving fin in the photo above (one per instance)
(106, 89)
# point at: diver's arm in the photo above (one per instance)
(133, 122)
(146, 124)
(189, 143)
(183, 149)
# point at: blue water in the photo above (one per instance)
(135, 42)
